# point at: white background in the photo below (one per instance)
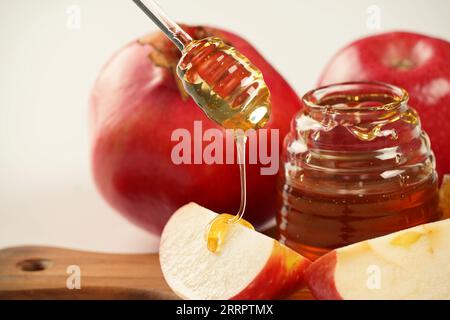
(47, 69)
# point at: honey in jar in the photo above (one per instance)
(357, 165)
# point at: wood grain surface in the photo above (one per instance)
(41, 273)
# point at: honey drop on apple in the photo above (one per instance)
(218, 228)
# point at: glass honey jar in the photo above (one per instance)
(356, 165)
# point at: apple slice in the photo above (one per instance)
(249, 265)
(409, 264)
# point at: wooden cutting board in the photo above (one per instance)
(42, 273)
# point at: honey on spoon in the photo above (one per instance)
(228, 88)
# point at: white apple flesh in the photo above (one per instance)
(249, 265)
(409, 264)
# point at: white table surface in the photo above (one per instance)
(47, 196)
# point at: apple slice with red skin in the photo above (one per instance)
(249, 265)
(409, 264)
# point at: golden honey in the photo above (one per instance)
(232, 92)
(218, 228)
(225, 84)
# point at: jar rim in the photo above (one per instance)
(313, 97)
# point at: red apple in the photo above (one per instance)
(409, 264)
(418, 63)
(136, 105)
(249, 265)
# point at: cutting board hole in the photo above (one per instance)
(32, 265)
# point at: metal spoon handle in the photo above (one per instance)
(170, 28)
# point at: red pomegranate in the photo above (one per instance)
(136, 104)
